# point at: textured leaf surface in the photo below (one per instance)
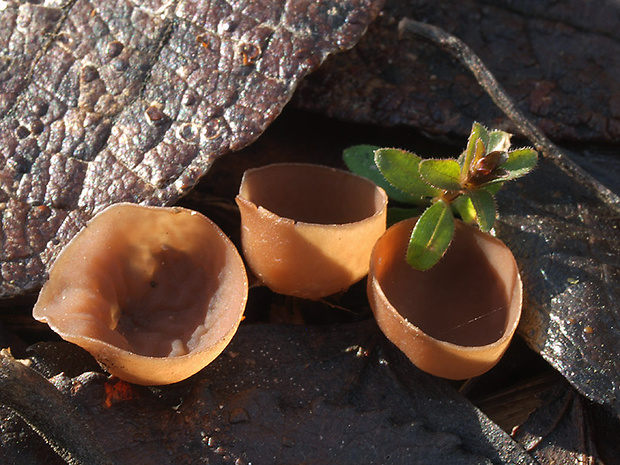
(476, 146)
(564, 416)
(565, 240)
(498, 141)
(519, 163)
(465, 208)
(137, 415)
(559, 60)
(286, 395)
(110, 100)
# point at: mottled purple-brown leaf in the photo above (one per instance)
(112, 100)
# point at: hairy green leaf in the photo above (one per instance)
(499, 141)
(494, 186)
(465, 208)
(443, 174)
(401, 170)
(431, 236)
(519, 163)
(485, 209)
(478, 133)
(360, 159)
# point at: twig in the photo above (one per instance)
(47, 411)
(459, 50)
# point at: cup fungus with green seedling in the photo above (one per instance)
(446, 293)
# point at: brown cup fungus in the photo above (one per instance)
(308, 230)
(154, 294)
(456, 319)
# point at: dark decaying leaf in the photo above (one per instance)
(557, 425)
(106, 101)
(27, 392)
(568, 419)
(286, 395)
(566, 241)
(559, 60)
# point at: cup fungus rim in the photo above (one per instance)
(506, 334)
(100, 342)
(266, 212)
(508, 331)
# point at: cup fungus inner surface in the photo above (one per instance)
(463, 299)
(156, 282)
(312, 193)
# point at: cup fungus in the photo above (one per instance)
(154, 294)
(456, 319)
(308, 230)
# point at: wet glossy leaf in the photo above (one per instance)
(110, 101)
(431, 236)
(401, 169)
(484, 205)
(443, 174)
(360, 159)
(565, 239)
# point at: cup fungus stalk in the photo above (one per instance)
(154, 294)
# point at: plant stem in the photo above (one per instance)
(450, 196)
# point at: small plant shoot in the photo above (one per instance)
(465, 186)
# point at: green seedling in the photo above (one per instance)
(465, 186)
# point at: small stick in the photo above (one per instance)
(459, 50)
(48, 412)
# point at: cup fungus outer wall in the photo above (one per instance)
(308, 230)
(451, 292)
(154, 294)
